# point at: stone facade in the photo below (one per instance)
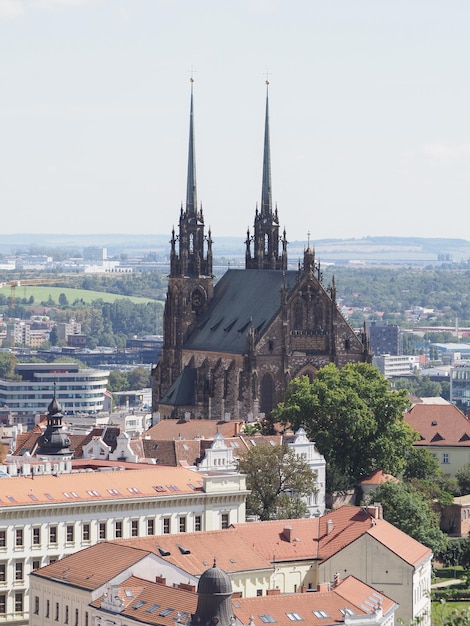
(231, 349)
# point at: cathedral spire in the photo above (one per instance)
(191, 193)
(266, 240)
(266, 197)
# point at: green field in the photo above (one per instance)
(41, 294)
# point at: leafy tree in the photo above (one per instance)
(408, 509)
(63, 299)
(463, 479)
(354, 418)
(54, 336)
(139, 377)
(7, 364)
(118, 381)
(275, 475)
(420, 463)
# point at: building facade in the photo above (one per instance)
(230, 349)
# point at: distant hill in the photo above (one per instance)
(388, 250)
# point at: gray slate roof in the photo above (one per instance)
(240, 296)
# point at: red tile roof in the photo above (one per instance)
(350, 594)
(378, 477)
(439, 425)
(94, 566)
(192, 429)
(105, 485)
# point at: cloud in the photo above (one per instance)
(10, 9)
(446, 151)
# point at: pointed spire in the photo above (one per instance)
(191, 195)
(266, 199)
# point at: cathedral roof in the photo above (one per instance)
(181, 392)
(241, 298)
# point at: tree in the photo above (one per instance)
(139, 377)
(7, 364)
(54, 336)
(420, 463)
(410, 511)
(354, 418)
(463, 478)
(118, 381)
(278, 479)
(63, 301)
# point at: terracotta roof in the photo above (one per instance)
(407, 548)
(27, 442)
(94, 566)
(378, 477)
(104, 485)
(439, 425)
(350, 594)
(194, 552)
(181, 429)
(145, 601)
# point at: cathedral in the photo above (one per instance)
(231, 348)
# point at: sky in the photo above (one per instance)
(369, 115)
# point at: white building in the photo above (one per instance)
(397, 365)
(45, 517)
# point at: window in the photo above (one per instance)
(3, 539)
(134, 528)
(102, 530)
(225, 519)
(70, 533)
(320, 614)
(18, 602)
(36, 536)
(53, 534)
(36, 564)
(267, 619)
(3, 572)
(66, 618)
(118, 530)
(294, 617)
(198, 523)
(86, 532)
(36, 605)
(166, 526)
(182, 524)
(445, 457)
(150, 527)
(3, 604)
(19, 570)
(259, 592)
(56, 612)
(76, 617)
(48, 608)
(19, 537)
(86, 618)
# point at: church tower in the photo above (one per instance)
(266, 240)
(190, 283)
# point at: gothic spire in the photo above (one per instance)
(191, 194)
(266, 198)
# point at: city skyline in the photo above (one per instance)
(368, 112)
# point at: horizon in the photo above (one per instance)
(368, 115)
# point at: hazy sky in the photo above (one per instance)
(369, 111)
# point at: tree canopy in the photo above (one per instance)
(409, 510)
(274, 475)
(354, 418)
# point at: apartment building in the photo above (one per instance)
(46, 517)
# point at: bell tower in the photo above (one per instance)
(266, 253)
(190, 283)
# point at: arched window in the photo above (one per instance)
(267, 394)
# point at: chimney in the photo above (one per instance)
(329, 526)
(187, 587)
(336, 579)
(160, 580)
(375, 510)
(287, 533)
(236, 428)
(323, 587)
(303, 589)
(273, 592)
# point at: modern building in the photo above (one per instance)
(397, 365)
(384, 338)
(78, 390)
(231, 348)
(46, 517)
(460, 384)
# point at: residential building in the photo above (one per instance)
(131, 592)
(455, 519)
(443, 430)
(384, 338)
(45, 517)
(291, 555)
(231, 348)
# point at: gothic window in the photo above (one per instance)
(191, 242)
(266, 243)
(298, 315)
(197, 300)
(267, 394)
